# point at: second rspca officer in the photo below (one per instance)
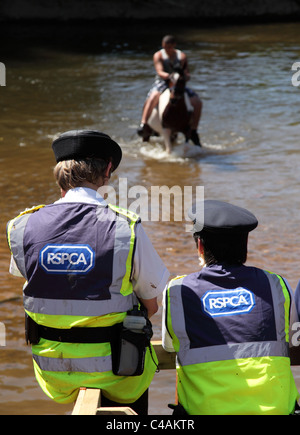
(85, 263)
(229, 323)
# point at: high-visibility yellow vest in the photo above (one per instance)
(230, 330)
(77, 259)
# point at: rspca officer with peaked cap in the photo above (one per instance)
(229, 323)
(86, 264)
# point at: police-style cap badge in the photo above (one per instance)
(221, 217)
(80, 144)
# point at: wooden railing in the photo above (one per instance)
(89, 399)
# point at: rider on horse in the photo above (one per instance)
(167, 61)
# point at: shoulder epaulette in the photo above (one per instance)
(31, 209)
(129, 214)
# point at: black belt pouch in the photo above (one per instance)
(128, 353)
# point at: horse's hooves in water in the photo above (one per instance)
(195, 138)
(145, 132)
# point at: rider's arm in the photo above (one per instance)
(158, 65)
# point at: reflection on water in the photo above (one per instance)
(98, 78)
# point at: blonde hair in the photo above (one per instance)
(73, 173)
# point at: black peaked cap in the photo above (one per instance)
(221, 217)
(80, 144)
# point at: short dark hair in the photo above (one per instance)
(223, 248)
(169, 39)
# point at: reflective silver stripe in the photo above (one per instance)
(85, 365)
(16, 242)
(62, 307)
(278, 305)
(176, 312)
(233, 351)
(121, 252)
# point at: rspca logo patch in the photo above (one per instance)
(228, 302)
(67, 258)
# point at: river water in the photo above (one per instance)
(92, 76)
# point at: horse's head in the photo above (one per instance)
(176, 115)
(179, 81)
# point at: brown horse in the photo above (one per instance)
(173, 113)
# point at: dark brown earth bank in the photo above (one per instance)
(204, 10)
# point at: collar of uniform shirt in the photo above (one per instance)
(83, 194)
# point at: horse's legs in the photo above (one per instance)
(197, 105)
(166, 133)
(196, 115)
